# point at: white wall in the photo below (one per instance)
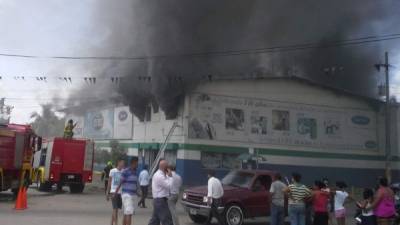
(156, 130)
(280, 90)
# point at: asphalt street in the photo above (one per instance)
(64, 208)
(87, 208)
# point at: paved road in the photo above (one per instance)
(75, 209)
(72, 209)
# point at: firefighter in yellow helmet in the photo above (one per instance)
(69, 129)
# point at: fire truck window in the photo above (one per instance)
(43, 157)
(31, 141)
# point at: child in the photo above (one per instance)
(320, 204)
(340, 197)
(367, 215)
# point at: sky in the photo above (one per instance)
(70, 28)
(48, 28)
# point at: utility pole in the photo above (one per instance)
(388, 152)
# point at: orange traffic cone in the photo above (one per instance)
(20, 203)
(25, 198)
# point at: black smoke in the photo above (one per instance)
(176, 27)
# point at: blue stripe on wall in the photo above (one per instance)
(193, 173)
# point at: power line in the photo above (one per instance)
(279, 48)
(72, 98)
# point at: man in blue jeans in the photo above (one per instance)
(298, 194)
(278, 201)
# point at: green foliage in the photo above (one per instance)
(117, 151)
(102, 156)
(47, 124)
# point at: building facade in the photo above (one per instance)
(288, 124)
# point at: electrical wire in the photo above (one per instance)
(279, 48)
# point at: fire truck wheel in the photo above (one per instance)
(76, 188)
(15, 192)
(44, 186)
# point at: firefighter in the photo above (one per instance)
(69, 129)
(106, 174)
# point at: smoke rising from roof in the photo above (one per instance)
(178, 27)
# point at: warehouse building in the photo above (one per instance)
(288, 124)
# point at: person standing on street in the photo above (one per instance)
(298, 194)
(144, 180)
(278, 201)
(174, 195)
(161, 187)
(214, 195)
(105, 175)
(331, 203)
(340, 198)
(384, 203)
(113, 182)
(320, 204)
(366, 216)
(129, 190)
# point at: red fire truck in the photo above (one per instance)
(63, 162)
(17, 145)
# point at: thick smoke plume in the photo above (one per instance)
(178, 27)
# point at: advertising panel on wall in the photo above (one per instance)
(122, 123)
(80, 124)
(99, 124)
(261, 121)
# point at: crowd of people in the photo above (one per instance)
(322, 204)
(122, 184)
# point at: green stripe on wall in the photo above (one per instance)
(154, 146)
(327, 155)
(214, 148)
(265, 151)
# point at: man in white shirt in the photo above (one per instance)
(161, 187)
(277, 201)
(113, 182)
(174, 196)
(144, 179)
(214, 195)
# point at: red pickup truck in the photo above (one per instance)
(246, 195)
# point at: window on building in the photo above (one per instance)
(155, 107)
(211, 160)
(170, 156)
(147, 116)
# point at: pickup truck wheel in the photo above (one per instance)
(200, 219)
(234, 215)
(76, 188)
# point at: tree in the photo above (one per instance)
(102, 156)
(117, 151)
(47, 123)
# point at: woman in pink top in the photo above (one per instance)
(383, 204)
(320, 204)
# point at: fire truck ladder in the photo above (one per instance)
(162, 149)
